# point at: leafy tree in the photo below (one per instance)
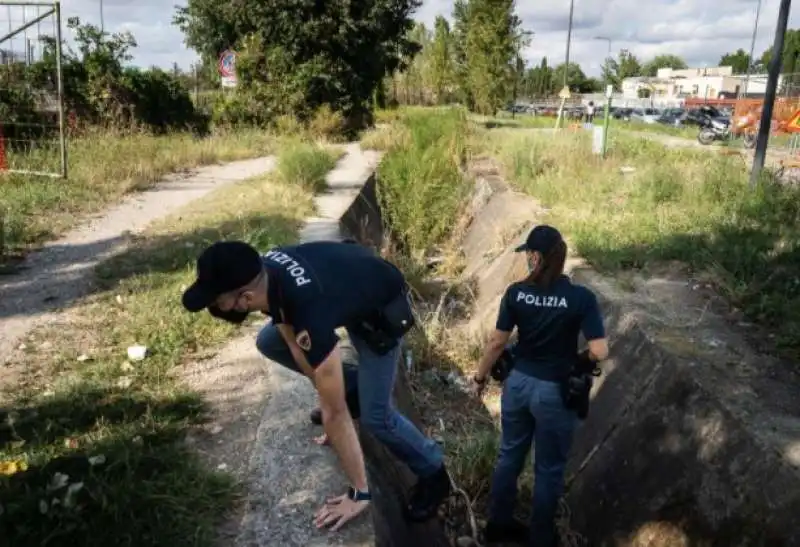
(626, 65)
(592, 85)
(576, 79)
(442, 61)
(652, 67)
(100, 89)
(492, 44)
(461, 18)
(539, 81)
(739, 60)
(319, 53)
(790, 62)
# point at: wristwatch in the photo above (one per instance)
(358, 495)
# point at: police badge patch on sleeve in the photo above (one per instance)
(303, 340)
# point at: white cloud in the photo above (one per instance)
(160, 43)
(699, 31)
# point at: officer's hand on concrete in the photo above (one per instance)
(322, 440)
(338, 511)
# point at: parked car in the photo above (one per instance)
(672, 116)
(645, 115)
(703, 116)
(622, 113)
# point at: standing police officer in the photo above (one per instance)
(549, 312)
(309, 290)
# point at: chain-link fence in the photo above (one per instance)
(32, 123)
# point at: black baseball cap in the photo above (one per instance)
(542, 239)
(222, 267)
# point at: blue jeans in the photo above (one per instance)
(374, 379)
(532, 411)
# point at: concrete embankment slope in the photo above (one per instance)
(693, 437)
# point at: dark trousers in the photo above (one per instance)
(532, 413)
(375, 375)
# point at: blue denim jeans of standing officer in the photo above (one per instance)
(532, 411)
(376, 376)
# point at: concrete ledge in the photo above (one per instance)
(675, 450)
(390, 480)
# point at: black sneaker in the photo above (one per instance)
(427, 495)
(513, 531)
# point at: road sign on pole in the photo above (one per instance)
(227, 68)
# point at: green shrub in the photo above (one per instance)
(98, 90)
(304, 163)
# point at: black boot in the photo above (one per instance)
(427, 495)
(513, 531)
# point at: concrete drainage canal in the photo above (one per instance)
(677, 451)
(390, 480)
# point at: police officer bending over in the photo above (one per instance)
(309, 290)
(540, 397)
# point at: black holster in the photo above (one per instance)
(503, 366)
(383, 331)
(576, 388)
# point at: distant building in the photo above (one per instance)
(705, 83)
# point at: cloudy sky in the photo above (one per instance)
(693, 29)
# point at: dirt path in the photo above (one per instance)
(56, 276)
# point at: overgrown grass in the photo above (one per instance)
(423, 193)
(101, 438)
(420, 185)
(306, 163)
(678, 204)
(103, 167)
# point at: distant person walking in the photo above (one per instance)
(590, 112)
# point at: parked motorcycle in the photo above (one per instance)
(719, 130)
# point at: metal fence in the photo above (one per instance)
(32, 124)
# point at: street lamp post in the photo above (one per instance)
(608, 57)
(606, 39)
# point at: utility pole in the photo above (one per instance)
(569, 39)
(560, 116)
(775, 66)
(752, 50)
(102, 19)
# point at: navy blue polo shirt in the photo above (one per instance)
(548, 323)
(320, 286)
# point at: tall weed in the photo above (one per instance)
(420, 183)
